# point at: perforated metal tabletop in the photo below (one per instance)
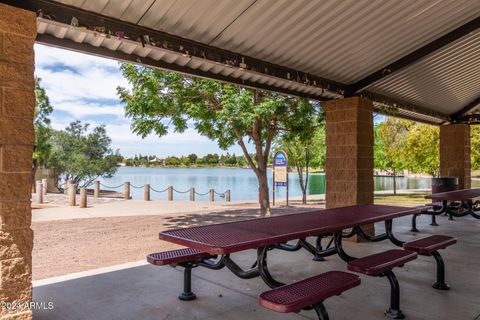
(232, 237)
(457, 195)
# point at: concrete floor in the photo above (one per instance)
(148, 292)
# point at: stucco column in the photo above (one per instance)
(455, 153)
(349, 163)
(17, 103)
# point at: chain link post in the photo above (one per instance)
(227, 195)
(192, 194)
(38, 192)
(44, 186)
(170, 193)
(96, 189)
(126, 191)
(83, 197)
(146, 192)
(212, 195)
(72, 190)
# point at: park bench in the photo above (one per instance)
(429, 246)
(381, 264)
(309, 293)
(186, 258)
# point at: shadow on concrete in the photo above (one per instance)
(149, 292)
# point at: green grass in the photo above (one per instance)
(413, 199)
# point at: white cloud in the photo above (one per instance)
(84, 86)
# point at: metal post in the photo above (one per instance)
(227, 195)
(83, 197)
(126, 191)
(212, 195)
(44, 186)
(192, 194)
(170, 193)
(71, 194)
(146, 192)
(273, 187)
(96, 189)
(38, 192)
(286, 190)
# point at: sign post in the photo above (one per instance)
(280, 172)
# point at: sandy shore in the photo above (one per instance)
(70, 239)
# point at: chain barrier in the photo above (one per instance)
(202, 194)
(159, 191)
(105, 186)
(181, 191)
(136, 187)
(220, 194)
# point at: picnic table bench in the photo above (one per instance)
(210, 246)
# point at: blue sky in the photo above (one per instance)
(83, 87)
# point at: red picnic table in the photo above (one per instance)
(205, 243)
(458, 203)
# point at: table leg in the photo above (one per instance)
(471, 209)
(263, 269)
(391, 236)
(338, 245)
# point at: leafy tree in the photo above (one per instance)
(422, 150)
(185, 160)
(222, 112)
(304, 151)
(193, 158)
(475, 146)
(211, 159)
(81, 155)
(172, 161)
(43, 132)
(390, 140)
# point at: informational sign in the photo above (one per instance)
(280, 165)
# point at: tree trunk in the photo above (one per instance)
(302, 184)
(263, 193)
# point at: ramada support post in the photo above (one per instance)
(349, 163)
(17, 103)
(455, 153)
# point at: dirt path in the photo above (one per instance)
(66, 246)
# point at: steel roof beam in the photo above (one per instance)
(462, 112)
(416, 55)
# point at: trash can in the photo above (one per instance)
(444, 184)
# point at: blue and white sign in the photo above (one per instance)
(280, 164)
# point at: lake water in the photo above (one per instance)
(242, 182)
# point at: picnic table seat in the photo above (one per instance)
(186, 258)
(381, 264)
(309, 293)
(429, 246)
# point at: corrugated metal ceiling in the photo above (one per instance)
(444, 81)
(343, 41)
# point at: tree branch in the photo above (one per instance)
(245, 152)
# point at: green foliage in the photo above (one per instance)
(390, 139)
(422, 150)
(475, 146)
(41, 122)
(224, 113)
(82, 155)
(172, 161)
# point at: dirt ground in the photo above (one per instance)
(67, 246)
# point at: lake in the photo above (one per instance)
(241, 182)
